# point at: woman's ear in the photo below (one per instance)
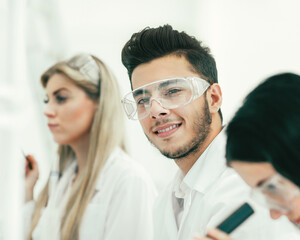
(214, 98)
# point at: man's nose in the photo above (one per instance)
(157, 111)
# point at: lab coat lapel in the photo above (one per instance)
(170, 221)
(165, 227)
(184, 226)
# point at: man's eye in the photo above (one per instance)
(60, 99)
(173, 91)
(143, 101)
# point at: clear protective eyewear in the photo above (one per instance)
(276, 193)
(87, 66)
(169, 93)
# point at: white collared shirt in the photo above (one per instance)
(179, 193)
(211, 191)
(120, 209)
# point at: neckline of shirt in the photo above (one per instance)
(211, 161)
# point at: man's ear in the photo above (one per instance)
(214, 98)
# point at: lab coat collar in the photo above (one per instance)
(207, 169)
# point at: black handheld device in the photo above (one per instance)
(236, 218)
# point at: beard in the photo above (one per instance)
(201, 128)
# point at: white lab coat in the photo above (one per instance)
(212, 191)
(120, 209)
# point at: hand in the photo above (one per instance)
(214, 234)
(31, 177)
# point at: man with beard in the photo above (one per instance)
(176, 97)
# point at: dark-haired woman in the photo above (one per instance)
(263, 146)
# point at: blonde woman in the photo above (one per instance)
(98, 191)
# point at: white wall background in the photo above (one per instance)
(249, 39)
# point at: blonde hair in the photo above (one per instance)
(107, 132)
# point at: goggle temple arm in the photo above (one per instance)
(199, 87)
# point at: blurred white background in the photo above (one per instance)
(250, 41)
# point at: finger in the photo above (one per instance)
(202, 238)
(217, 234)
(28, 165)
(31, 162)
(31, 167)
(198, 237)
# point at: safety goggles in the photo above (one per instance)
(87, 66)
(276, 193)
(169, 93)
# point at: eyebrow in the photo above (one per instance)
(58, 90)
(139, 92)
(164, 84)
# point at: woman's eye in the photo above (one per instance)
(271, 187)
(60, 99)
(46, 100)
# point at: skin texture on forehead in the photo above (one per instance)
(253, 173)
(170, 66)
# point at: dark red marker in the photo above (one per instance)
(28, 161)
